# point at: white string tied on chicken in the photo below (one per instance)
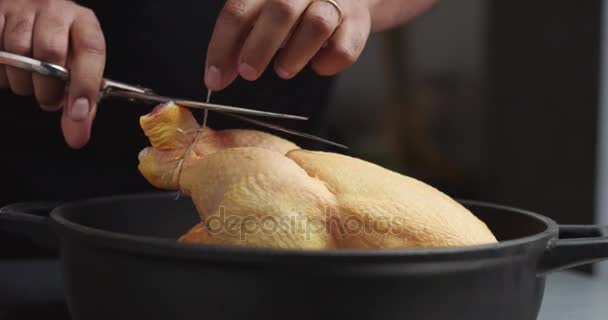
(199, 132)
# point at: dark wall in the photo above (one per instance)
(543, 104)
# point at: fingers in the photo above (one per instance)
(18, 39)
(62, 33)
(248, 34)
(50, 44)
(316, 27)
(344, 47)
(276, 20)
(77, 133)
(3, 78)
(232, 27)
(87, 62)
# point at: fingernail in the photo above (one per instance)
(213, 77)
(247, 72)
(80, 109)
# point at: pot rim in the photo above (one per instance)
(143, 245)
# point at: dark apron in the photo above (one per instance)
(159, 44)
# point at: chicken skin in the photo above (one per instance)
(254, 189)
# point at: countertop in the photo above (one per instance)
(570, 295)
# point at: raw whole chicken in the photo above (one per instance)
(255, 189)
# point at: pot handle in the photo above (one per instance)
(30, 220)
(577, 245)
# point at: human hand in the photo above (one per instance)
(63, 33)
(249, 33)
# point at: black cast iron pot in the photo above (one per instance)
(120, 260)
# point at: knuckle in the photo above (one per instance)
(88, 13)
(234, 12)
(22, 26)
(91, 43)
(358, 42)
(64, 7)
(283, 10)
(21, 89)
(345, 54)
(320, 68)
(92, 40)
(50, 46)
(18, 45)
(50, 51)
(94, 45)
(42, 3)
(18, 37)
(319, 23)
(45, 4)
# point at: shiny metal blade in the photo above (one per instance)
(224, 108)
(199, 105)
(33, 65)
(57, 71)
(289, 131)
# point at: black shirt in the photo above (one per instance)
(158, 44)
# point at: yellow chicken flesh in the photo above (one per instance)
(253, 189)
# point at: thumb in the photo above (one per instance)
(87, 62)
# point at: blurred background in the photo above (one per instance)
(490, 100)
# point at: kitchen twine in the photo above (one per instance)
(199, 132)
